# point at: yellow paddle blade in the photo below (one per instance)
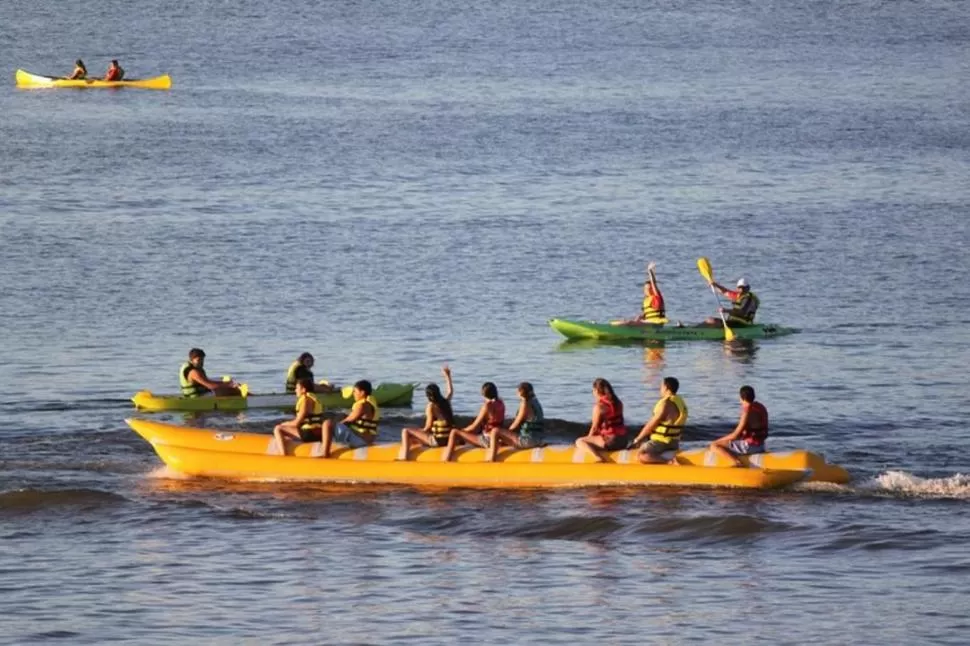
(704, 266)
(729, 333)
(244, 390)
(347, 392)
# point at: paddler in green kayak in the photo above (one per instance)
(195, 383)
(744, 305)
(301, 369)
(654, 311)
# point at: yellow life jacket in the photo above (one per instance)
(441, 429)
(366, 426)
(295, 373)
(668, 431)
(315, 418)
(189, 387)
(656, 316)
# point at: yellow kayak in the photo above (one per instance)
(248, 456)
(389, 394)
(27, 80)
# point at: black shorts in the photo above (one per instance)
(615, 443)
(439, 440)
(310, 434)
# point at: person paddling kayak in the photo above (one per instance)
(749, 436)
(301, 369)
(195, 383)
(663, 430)
(744, 305)
(654, 310)
(80, 71)
(114, 73)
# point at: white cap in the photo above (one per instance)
(742, 283)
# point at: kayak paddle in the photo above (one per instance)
(704, 266)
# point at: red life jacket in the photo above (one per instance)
(612, 423)
(756, 430)
(496, 415)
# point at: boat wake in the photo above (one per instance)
(900, 483)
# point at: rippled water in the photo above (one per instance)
(392, 186)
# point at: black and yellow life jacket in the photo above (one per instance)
(294, 374)
(367, 426)
(315, 418)
(190, 388)
(668, 431)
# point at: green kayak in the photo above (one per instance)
(608, 332)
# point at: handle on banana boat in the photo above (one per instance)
(704, 266)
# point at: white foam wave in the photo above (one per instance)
(906, 484)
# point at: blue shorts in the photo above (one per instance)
(345, 435)
(741, 447)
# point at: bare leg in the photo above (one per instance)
(326, 438)
(591, 444)
(723, 450)
(450, 448)
(405, 444)
(281, 433)
(496, 437)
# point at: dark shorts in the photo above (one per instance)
(310, 434)
(656, 449)
(439, 440)
(614, 443)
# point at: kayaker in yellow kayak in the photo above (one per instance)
(490, 416)
(663, 430)
(357, 429)
(306, 424)
(527, 429)
(114, 73)
(301, 369)
(607, 431)
(744, 305)
(749, 436)
(80, 71)
(195, 383)
(654, 310)
(438, 418)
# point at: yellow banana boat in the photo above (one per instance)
(231, 454)
(388, 394)
(27, 80)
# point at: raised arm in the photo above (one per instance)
(449, 388)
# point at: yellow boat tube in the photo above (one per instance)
(252, 456)
(26, 80)
(389, 394)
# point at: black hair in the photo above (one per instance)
(306, 383)
(526, 390)
(303, 357)
(364, 386)
(747, 393)
(672, 384)
(489, 391)
(603, 386)
(196, 352)
(444, 406)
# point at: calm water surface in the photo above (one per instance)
(393, 186)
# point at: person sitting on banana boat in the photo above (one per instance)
(744, 305)
(301, 369)
(663, 430)
(527, 429)
(490, 417)
(607, 431)
(307, 423)
(80, 71)
(654, 310)
(749, 436)
(359, 428)
(195, 383)
(115, 72)
(438, 418)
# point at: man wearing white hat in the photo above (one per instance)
(744, 304)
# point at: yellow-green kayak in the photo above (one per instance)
(27, 80)
(389, 394)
